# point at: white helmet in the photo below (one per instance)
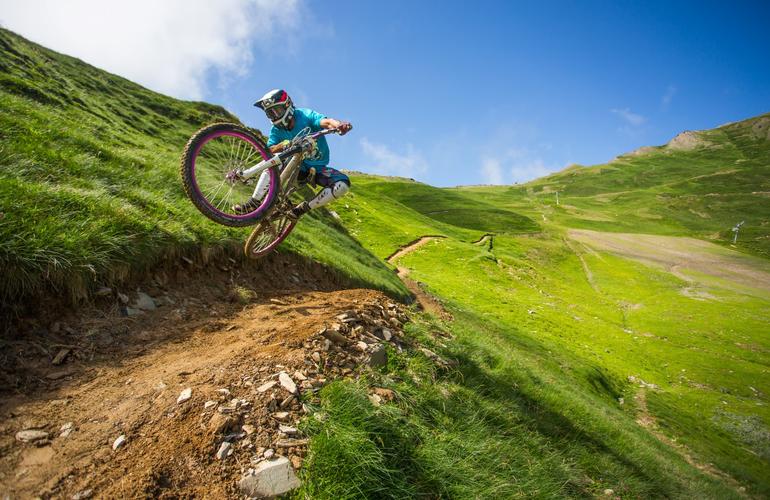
(278, 107)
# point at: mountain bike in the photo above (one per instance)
(220, 167)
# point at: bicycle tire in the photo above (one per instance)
(192, 160)
(257, 246)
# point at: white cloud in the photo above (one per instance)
(531, 169)
(385, 161)
(515, 165)
(665, 101)
(169, 46)
(632, 119)
(492, 171)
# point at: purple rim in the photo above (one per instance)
(278, 240)
(273, 177)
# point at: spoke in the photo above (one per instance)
(232, 146)
(215, 190)
(213, 197)
(246, 160)
(224, 200)
(243, 148)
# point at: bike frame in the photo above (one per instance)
(278, 160)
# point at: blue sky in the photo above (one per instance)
(455, 93)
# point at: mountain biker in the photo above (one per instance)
(288, 122)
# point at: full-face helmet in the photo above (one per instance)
(278, 107)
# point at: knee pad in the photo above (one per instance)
(340, 189)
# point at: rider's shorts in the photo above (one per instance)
(324, 176)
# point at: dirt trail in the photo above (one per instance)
(482, 240)
(123, 377)
(427, 301)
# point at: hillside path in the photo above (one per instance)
(427, 301)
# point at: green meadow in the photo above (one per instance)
(686, 352)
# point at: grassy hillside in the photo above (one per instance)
(389, 214)
(701, 184)
(89, 185)
(593, 340)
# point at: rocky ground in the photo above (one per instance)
(187, 390)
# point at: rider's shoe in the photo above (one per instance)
(245, 208)
(299, 210)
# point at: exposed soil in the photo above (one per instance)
(679, 255)
(221, 332)
(426, 300)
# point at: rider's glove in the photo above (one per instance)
(344, 127)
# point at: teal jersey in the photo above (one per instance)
(303, 118)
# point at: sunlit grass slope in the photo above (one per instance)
(701, 184)
(89, 185)
(587, 329)
(387, 213)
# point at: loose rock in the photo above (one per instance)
(379, 356)
(60, 356)
(225, 450)
(66, 429)
(287, 383)
(267, 386)
(290, 443)
(184, 395)
(144, 302)
(281, 416)
(269, 479)
(119, 442)
(31, 435)
(82, 495)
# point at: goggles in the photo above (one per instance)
(276, 111)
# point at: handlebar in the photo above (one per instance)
(314, 136)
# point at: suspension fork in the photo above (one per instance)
(290, 172)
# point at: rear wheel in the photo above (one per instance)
(211, 163)
(270, 232)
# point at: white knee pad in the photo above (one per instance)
(338, 190)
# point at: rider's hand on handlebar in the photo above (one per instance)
(344, 127)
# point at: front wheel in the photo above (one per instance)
(211, 161)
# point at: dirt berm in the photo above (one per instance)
(186, 396)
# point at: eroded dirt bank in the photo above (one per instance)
(225, 334)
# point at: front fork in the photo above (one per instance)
(288, 176)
